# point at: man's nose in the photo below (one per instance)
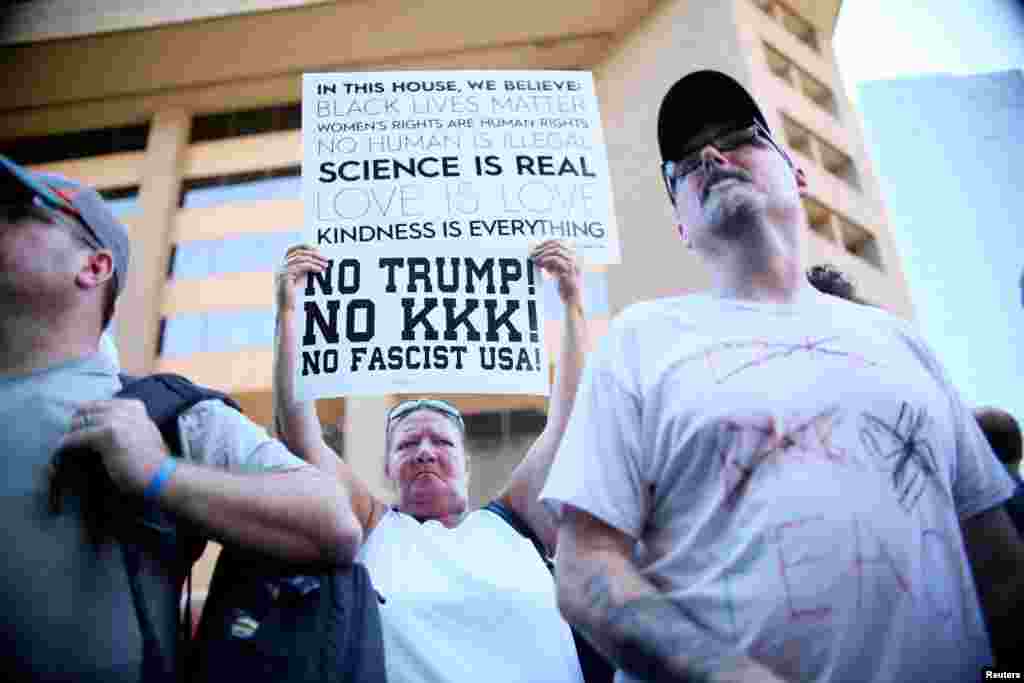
(710, 155)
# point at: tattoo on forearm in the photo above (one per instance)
(653, 637)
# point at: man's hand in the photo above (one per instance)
(120, 431)
(299, 261)
(559, 260)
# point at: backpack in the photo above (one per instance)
(596, 669)
(264, 620)
(158, 549)
(317, 623)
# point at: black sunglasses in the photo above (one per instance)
(402, 409)
(25, 192)
(674, 171)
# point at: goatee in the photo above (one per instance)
(731, 211)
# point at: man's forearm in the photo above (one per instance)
(643, 631)
(296, 515)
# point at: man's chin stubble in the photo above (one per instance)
(731, 214)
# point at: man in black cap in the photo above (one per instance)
(788, 486)
(68, 607)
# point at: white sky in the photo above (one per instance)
(889, 39)
(882, 39)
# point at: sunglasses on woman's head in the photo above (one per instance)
(404, 408)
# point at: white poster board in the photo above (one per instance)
(445, 320)
(465, 165)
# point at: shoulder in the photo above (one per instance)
(214, 433)
(641, 324)
(641, 331)
(213, 412)
(663, 310)
(867, 314)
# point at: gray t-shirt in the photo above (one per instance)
(58, 596)
(795, 477)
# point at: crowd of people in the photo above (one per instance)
(758, 482)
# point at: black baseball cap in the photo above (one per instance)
(697, 99)
(83, 203)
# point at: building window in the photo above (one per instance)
(832, 226)
(217, 331)
(122, 201)
(786, 69)
(246, 253)
(819, 219)
(277, 183)
(796, 25)
(817, 92)
(838, 164)
(778, 64)
(491, 434)
(78, 145)
(860, 242)
(799, 28)
(798, 138)
(232, 124)
(814, 148)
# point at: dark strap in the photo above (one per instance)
(166, 397)
(513, 519)
(157, 665)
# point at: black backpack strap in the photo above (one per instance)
(174, 544)
(596, 669)
(513, 519)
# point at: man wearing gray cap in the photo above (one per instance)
(68, 607)
(786, 485)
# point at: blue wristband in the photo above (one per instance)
(159, 480)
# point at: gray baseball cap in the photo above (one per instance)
(81, 203)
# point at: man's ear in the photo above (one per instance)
(801, 180)
(97, 269)
(684, 235)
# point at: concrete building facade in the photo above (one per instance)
(188, 121)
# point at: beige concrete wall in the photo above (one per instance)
(160, 182)
(37, 20)
(676, 38)
(322, 37)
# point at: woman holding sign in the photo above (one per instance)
(466, 595)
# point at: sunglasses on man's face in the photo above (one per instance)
(674, 172)
(22, 194)
(15, 211)
(405, 407)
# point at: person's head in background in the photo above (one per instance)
(426, 459)
(1003, 434)
(828, 279)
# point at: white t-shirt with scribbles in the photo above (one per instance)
(795, 476)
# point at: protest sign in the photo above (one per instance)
(487, 157)
(445, 320)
